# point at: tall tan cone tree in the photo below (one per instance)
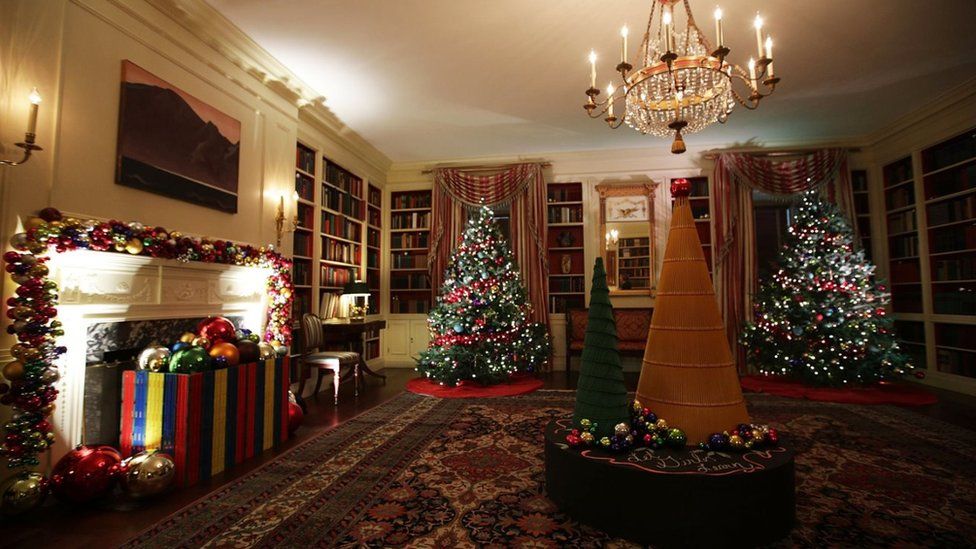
(689, 376)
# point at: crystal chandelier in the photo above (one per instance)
(683, 84)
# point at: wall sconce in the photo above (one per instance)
(280, 218)
(28, 143)
(613, 237)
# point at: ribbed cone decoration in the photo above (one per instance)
(688, 376)
(601, 395)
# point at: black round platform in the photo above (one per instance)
(674, 498)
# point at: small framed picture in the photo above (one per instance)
(626, 208)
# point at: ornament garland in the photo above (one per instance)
(648, 430)
(33, 309)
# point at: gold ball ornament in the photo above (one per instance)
(22, 492)
(134, 246)
(34, 223)
(39, 271)
(188, 337)
(147, 474)
(661, 424)
(266, 351)
(17, 350)
(201, 342)
(13, 370)
(228, 351)
(736, 442)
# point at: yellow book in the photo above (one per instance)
(154, 411)
(219, 422)
(269, 400)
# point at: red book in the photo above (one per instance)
(193, 429)
(241, 423)
(182, 402)
(252, 373)
(128, 405)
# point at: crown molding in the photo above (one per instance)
(964, 92)
(216, 31)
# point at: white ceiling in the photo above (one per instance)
(448, 79)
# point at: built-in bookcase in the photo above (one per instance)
(303, 237)
(930, 201)
(634, 262)
(374, 239)
(567, 279)
(343, 214)
(701, 209)
(862, 210)
(410, 216)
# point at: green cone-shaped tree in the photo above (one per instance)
(601, 395)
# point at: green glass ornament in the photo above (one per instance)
(189, 360)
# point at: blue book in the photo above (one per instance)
(169, 414)
(206, 425)
(139, 411)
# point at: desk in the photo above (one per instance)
(342, 330)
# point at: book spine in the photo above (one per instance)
(194, 426)
(250, 410)
(219, 434)
(258, 408)
(180, 438)
(128, 410)
(280, 409)
(230, 411)
(241, 424)
(206, 425)
(269, 407)
(139, 430)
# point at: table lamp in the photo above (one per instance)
(357, 290)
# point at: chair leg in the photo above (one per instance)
(318, 383)
(335, 385)
(355, 377)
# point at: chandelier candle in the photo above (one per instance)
(680, 83)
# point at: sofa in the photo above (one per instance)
(632, 328)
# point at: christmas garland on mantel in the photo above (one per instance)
(33, 309)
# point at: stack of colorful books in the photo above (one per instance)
(207, 421)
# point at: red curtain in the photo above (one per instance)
(459, 191)
(736, 176)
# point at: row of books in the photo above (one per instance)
(410, 220)
(625, 263)
(301, 303)
(400, 305)
(951, 181)
(409, 261)
(374, 217)
(409, 240)
(902, 222)
(950, 211)
(635, 272)
(400, 201)
(956, 335)
(910, 331)
(564, 194)
(566, 284)
(635, 252)
(341, 202)
(373, 281)
(565, 214)
(631, 242)
(953, 239)
(898, 172)
(949, 152)
(375, 197)
(958, 301)
(330, 275)
(372, 258)
(699, 186)
(417, 281)
(301, 273)
(905, 271)
(305, 159)
(345, 181)
(634, 283)
(305, 216)
(338, 225)
(305, 187)
(209, 421)
(372, 349)
(956, 362)
(343, 252)
(302, 244)
(330, 305)
(903, 246)
(900, 197)
(560, 304)
(373, 237)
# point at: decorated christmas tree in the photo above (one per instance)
(479, 326)
(601, 395)
(821, 317)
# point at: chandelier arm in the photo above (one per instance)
(692, 24)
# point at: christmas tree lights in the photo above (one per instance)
(821, 317)
(479, 326)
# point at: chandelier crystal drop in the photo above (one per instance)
(683, 84)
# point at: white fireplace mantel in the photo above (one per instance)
(104, 287)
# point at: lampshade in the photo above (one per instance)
(357, 288)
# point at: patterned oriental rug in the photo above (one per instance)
(427, 472)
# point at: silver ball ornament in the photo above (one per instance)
(266, 351)
(147, 474)
(154, 359)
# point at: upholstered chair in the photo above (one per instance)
(323, 361)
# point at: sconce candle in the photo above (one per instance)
(35, 101)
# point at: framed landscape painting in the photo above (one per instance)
(173, 144)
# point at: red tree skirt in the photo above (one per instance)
(518, 385)
(899, 394)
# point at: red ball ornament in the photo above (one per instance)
(295, 417)
(85, 473)
(217, 328)
(50, 214)
(920, 374)
(680, 187)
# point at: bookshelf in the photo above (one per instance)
(564, 246)
(634, 261)
(904, 267)
(343, 214)
(410, 214)
(303, 237)
(374, 238)
(701, 209)
(862, 210)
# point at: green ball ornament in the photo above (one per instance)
(189, 360)
(676, 438)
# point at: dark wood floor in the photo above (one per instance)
(109, 523)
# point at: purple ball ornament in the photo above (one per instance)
(718, 442)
